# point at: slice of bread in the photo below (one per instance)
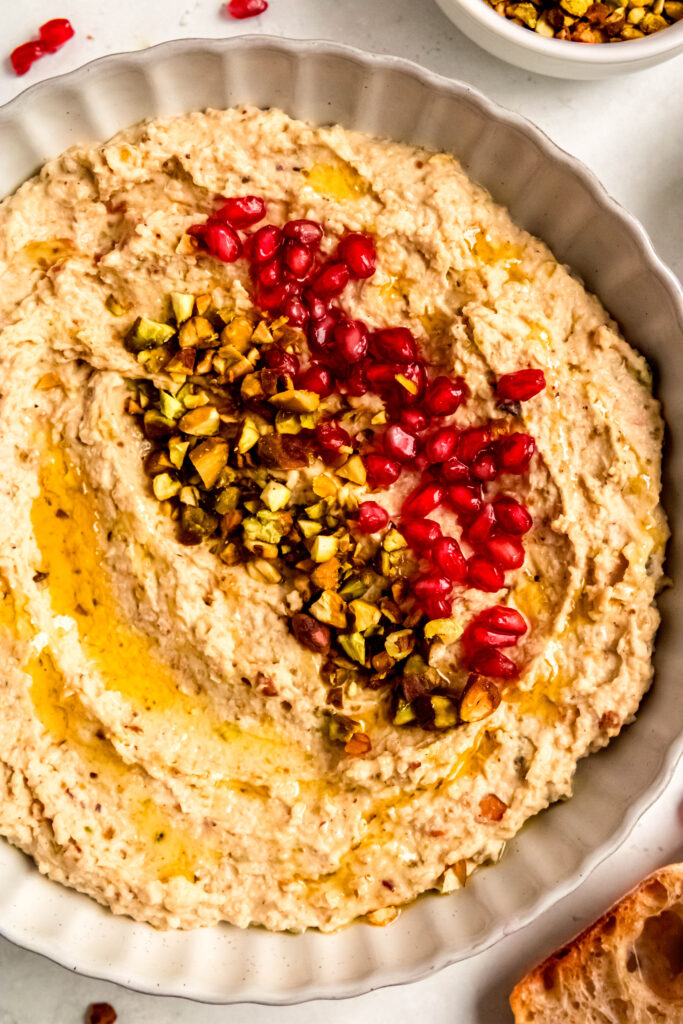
(627, 968)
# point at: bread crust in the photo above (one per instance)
(626, 968)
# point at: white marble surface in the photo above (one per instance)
(628, 130)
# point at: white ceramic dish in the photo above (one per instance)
(558, 57)
(555, 197)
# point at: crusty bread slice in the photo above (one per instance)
(627, 968)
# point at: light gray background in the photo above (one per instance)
(629, 131)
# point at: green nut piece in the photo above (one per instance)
(227, 500)
(182, 306)
(165, 486)
(146, 334)
(445, 712)
(354, 645)
(330, 609)
(275, 495)
(309, 528)
(323, 548)
(394, 541)
(170, 407)
(400, 644)
(404, 713)
(177, 450)
(365, 615)
(446, 630)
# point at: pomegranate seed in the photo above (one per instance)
(295, 311)
(449, 559)
(308, 232)
(275, 358)
(241, 211)
(381, 470)
(318, 379)
(512, 516)
(372, 517)
(445, 395)
(479, 637)
(481, 528)
(414, 420)
(484, 466)
(493, 663)
(400, 444)
(437, 607)
(320, 335)
(331, 280)
(465, 500)
(265, 243)
(420, 533)
(273, 300)
(316, 307)
(471, 442)
(424, 500)
(53, 34)
(270, 274)
(351, 340)
(25, 55)
(356, 383)
(330, 438)
(514, 453)
(431, 585)
(380, 376)
(508, 552)
(395, 344)
(358, 252)
(297, 258)
(245, 8)
(484, 574)
(220, 240)
(441, 445)
(416, 375)
(520, 386)
(454, 471)
(504, 619)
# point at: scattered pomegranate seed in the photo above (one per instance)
(356, 382)
(381, 470)
(512, 516)
(454, 471)
(24, 56)
(445, 395)
(423, 500)
(420, 533)
(358, 252)
(482, 526)
(504, 619)
(465, 500)
(308, 232)
(431, 585)
(245, 8)
(399, 444)
(372, 517)
(449, 559)
(395, 344)
(520, 386)
(220, 240)
(317, 378)
(440, 446)
(484, 574)
(316, 307)
(53, 34)
(416, 375)
(414, 420)
(478, 636)
(330, 438)
(265, 243)
(493, 663)
(351, 340)
(381, 376)
(320, 334)
(270, 274)
(298, 259)
(484, 466)
(241, 211)
(331, 280)
(508, 552)
(437, 607)
(295, 311)
(273, 300)
(514, 453)
(471, 442)
(286, 363)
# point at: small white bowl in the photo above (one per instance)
(559, 57)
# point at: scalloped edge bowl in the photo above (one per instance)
(553, 196)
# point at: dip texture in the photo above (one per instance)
(164, 742)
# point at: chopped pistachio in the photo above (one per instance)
(209, 458)
(353, 588)
(197, 332)
(275, 495)
(309, 420)
(296, 400)
(365, 615)
(353, 470)
(248, 437)
(190, 496)
(323, 547)
(316, 511)
(158, 462)
(325, 576)
(394, 541)
(263, 571)
(266, 532)
(237, 333)
(177, 450)
(340, 728)
(170, 407)
(182, 306)
(409, 385)
(329, 608)
(446, 630)
(193, 399)
(404, 713)
(354, 645)
(309, 528)
(146, 334)
(399, 645)
(165, 486)
(227, 500)
(287, 423)
(379, 418)
(196, 524)
(202, 303)
(261, 334)
(251, 386)
(445, 712)
(262, 549)
(157, 425)
(202, 422)
(325, 486)
(114, 306)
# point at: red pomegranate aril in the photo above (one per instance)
(24, 56)
(241, 211)
(317, 378)
(482, 527)
(356, 383)
(265, 243)
(484, 466)
(270, 274)
(508, 552)
(493, 663)
(471, 442)
(520, 386)
(449, 559)
(440, 446)
(308, 232)
(54, 33)
(275, 358)
(320, 335)
(514, 453)
(372, 517)
(454, 471)
(298, 258)
(504, 619)
(350, 338)
(359, 253)
(431, 585)
(245, 8)
(437, 607)
(445, 395)
(399, 444)
(484, 574)
(330, 437)
(479, 636)
(420, 533)
(273, 300)
(394, 344)
(416, 375)
(465, 500)
(219, 240)
(318, 308)
(295, 311)
(380, 376)
(512, 516)
(381, 470)
(331, 280)
(414, 420)
(424, 500)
